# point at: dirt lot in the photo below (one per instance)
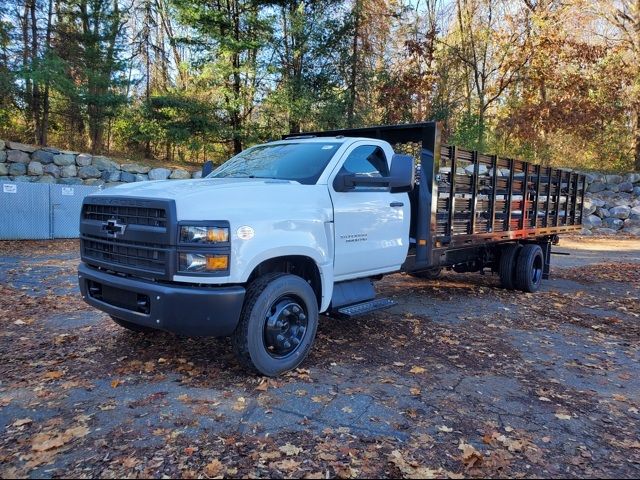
(461, 379)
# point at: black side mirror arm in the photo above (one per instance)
(207, 168)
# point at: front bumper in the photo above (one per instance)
(186, 310)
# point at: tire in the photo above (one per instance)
(529, 268)
(132, 326)
(507, 266)
(274, 307)
(432, 274)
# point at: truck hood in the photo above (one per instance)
(175, 189)
(229, 198)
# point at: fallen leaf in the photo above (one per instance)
(54, 375)
(290, 450)
(563, 416)
(470, 456)
(445, 429)
(288, 465)
(21, 422)
(77, 432)
(417, 370)
(264, 385)
(115, 383)
(47, 441)
(410, 469)
(320, 399)
(214, 468)
(270, 455)
(130, 462)
(240, 405)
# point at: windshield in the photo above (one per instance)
(302, 162)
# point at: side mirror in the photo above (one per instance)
(207, 168)
(402, 173)
(344, 182)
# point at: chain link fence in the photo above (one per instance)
(36, 211)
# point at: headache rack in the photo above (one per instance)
(465, 198)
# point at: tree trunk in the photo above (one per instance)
(44, 128)
(354, 66)
(36, 102)
(637, 154)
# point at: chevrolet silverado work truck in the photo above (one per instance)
(261, 246)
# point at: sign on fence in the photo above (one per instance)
(37, 211)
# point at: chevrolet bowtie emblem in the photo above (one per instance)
(113, 228)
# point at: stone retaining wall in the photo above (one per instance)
(26, 163)
(612, 204)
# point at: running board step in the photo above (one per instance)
(366, 307)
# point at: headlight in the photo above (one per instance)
(203, 262)
(203, 235)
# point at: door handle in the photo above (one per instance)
(396, 204)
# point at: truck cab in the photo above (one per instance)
(304, 217)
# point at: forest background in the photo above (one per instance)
(181, 81)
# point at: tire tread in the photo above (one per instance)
(239, 339)
(508, 260)
(523, 273)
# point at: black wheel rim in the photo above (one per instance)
(536, 270)
(285, 326)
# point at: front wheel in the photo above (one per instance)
(277, 325)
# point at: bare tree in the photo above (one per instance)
(624, 15)
(494, 48)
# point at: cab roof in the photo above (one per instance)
(314, 139)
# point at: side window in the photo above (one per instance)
(367, 160)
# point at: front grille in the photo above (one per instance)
(152, 217)
(138, 256)
(144, 241)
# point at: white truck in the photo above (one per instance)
(290, 229)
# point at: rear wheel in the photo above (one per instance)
(529, 268)
(132, 326)
(507, 268)
(431, 274)
(278, 324)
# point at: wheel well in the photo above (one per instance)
(304, 267)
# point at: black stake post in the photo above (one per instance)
(494, 192)
(453, 155)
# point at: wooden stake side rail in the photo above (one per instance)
(484, 198)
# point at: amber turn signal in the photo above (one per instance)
(217, 262)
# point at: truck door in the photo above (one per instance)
(371, 223)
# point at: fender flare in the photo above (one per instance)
(325, 267)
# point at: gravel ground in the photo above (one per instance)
(460, 379)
